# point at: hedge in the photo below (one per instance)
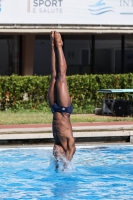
(30, 92)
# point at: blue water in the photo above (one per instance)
(96, 172)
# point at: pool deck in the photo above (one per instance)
(100, 131)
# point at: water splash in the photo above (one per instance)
(62, 165)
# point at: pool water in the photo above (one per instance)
(96, 172)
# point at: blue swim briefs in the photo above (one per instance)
(60, 109)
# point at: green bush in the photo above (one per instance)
(13, 89)
(30, 92)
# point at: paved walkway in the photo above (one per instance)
(80, 130)
(82, 124)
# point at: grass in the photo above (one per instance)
(39, 117)
(25, 117)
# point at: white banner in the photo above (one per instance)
(85, 12)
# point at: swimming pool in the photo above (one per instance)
(96, 172)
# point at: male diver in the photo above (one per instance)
(60, 102)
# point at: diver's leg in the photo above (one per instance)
(52, 87)
(63, 98)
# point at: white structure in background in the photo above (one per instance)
(97, 34)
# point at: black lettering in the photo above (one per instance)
(35, 3)
(126, 3)
(60, 2)
(54, 2)
(47, 3)
(41, 2)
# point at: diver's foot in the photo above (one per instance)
(58, 39)
(52, 38)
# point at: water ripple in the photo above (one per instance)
(94, 173)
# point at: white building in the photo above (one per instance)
(97, 35)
